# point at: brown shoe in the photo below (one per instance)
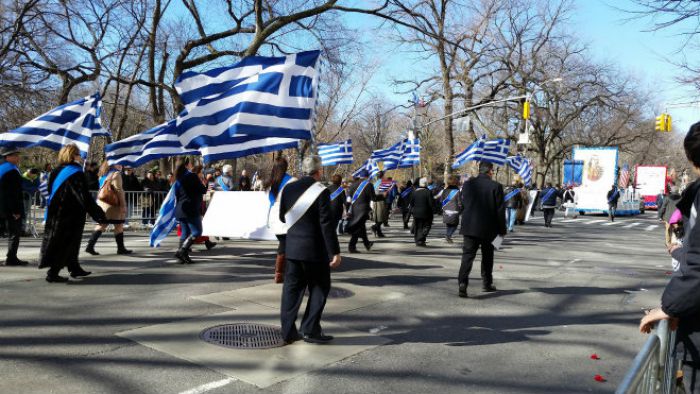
(279, 268)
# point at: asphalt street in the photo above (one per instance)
(565, 293)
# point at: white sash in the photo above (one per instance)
(303, 204)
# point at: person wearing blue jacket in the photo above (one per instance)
(548, 199)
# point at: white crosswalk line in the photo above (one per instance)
(631, 225)
(571, 220)
(611, 223)
(595, 221)
(653, 226)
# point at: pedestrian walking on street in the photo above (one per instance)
(451, 202)
(359, 197)
(404, 203)
(189, 195)
(513, 201)
(680, 302)
(68, 203)
(380, 212)
(423, 210)
(483, 219)
(275, 185)
(666, 210)
(112, 200)
(11, 202)
(338, 201)
(613, 196)
(312, 249)
(549, 203)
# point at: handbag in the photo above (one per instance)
(108, 194)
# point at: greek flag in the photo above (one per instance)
(494, 151)
(156, 143)
(334, 154)
(369, 169)
(411, 153)
(258, 105)
(44, 188)
(390, 156)
(76, 122)
(166, 221)
(522, 166)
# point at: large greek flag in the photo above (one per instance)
(166, 221)
(494, 151)
(472, 153)
(335, 154)
(369, 169)
(411, 153)
(390, 156)
(76, 122)
(159, 142)
(522, 166)
(260, 104)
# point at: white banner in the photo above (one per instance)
(599, 166)
(238, 215)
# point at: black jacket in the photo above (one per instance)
(337, 204)
(131, 183)
(189, 196)
(422, 204)
(548, 197)
(359, 211)
(484, 214)
(613, 200)
(11, 201)
(312, 237)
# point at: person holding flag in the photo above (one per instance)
(359, 198)
(404, 203)
(11, 202)
(68, 202)
(338, 201)
(513, 200)
(613, 196)
(451, 203)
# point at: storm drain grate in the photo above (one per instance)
(244, 336)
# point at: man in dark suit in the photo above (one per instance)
(483, 219)
(312, 249)
(423, 209)
(360, 195)
(338, 200)
(11, 202)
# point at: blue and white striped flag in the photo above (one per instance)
(473, 152)
(369, 169)
(260, 104)
(390, 156)
(159, 142)
(76, 122)
(166, 221)
(411, 153)
(522, 166)
(44, 188)
(335, 154)
(496, 151)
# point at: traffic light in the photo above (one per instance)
(660, 122)
(663, 123)
(526, 110)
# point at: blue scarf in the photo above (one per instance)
(449, 197)
(104, 177)
(220, 181)
(62, 176)
(615, 194)
(272, 197)
(548, 194)
(406, 192)
(7, 167)
(511, 194)
(336, 193)
(359, 191)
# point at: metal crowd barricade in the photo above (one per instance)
(142, 210)
(654, 369)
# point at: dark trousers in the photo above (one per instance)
(406, 215)
(358, 231)
(548, 216)
(14, 229)
(450, 230)
(298, 276)
(612, 209)
(422, 229)
(471, 245)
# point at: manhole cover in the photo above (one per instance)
(244, 336)
(336, 292)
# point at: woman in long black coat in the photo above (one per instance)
(66, 218)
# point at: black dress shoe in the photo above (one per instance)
(489, 289)
(56, 279)
(353, 250)
(321, 338)
(15, 262)
(463, 290)
(124, 251)
(78, 274)
(369, 246)
(293, 339)
(210, 245)
(91, 251)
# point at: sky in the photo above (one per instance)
(613, 38)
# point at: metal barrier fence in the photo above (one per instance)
(654, 369)
(142, 210)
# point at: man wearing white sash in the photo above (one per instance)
(311, 251)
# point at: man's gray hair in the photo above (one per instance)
(311, 165)
(423, 182)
